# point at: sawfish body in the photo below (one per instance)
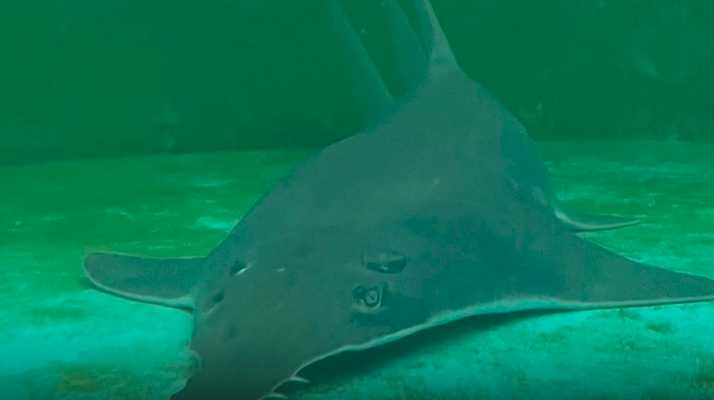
(419, 220)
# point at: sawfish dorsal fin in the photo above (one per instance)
(438, 50)
(441, 60)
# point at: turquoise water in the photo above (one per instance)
(60, 340)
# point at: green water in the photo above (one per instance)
(187, 76)
(60, 340)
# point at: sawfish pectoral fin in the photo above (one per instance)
(583, 222)
(164, 281)
(595, 277)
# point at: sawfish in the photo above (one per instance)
(414, 222)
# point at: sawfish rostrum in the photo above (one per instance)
(413, 223)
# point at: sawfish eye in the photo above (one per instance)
(368, 296)
(388, 262)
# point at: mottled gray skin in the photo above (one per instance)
(413, 223)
